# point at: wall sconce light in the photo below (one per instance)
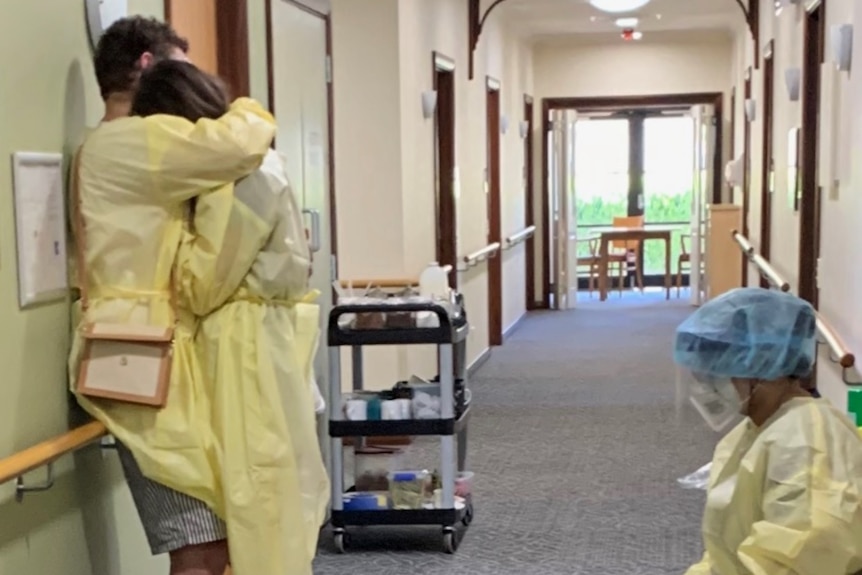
(734, 171)
(524, 129)
(429, 104)
(841, 40)
(504, 124)
(793, 81)
(751, 109)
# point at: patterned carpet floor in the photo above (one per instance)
(576, 444)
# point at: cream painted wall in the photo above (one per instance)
(85, 525)
(664, 64)
(397, 172)
(841, 141)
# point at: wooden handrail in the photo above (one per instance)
(49, 451)
(474, 258)
(743, 242)
(839, 352)
(763, 266)
(394, 283)
(391, 283)
(521, 236)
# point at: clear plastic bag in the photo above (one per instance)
(697, 480)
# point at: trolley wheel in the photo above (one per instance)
(468, 515)
(340, 539)
(450, 540)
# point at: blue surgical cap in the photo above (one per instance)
(749, 333)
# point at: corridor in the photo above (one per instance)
(576, 445)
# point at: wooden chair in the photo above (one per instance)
(594, 262)
(684, 260)
(619, 250)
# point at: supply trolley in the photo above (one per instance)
(378, 322)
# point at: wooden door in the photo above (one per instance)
(529, 207)
(495, 263)
(444, 156)
(217, 31)
(767, 185)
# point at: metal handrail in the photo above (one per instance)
(520, 237)
(763, 266)
(473, 259)
(45, 454)
(838, 352)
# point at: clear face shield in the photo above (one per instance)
(714, 398)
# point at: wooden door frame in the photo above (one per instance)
(330, 113)
(714, 99)
(746, 166)
(529, 206)
(809, 204)
(231, 43)
(768, 163)
(732, 137)
(445, 160)
(495, 264)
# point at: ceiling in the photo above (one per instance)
(555, 18)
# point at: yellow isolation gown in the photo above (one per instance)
(786, 498)
(257, 351)
(135, 177)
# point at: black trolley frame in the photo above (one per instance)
(450, 338)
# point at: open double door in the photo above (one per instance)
(563, 228)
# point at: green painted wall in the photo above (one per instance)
(85, 525)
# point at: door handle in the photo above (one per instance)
(314, 242)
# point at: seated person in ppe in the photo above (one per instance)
(131, 181)
(256, 350)
(785, 489)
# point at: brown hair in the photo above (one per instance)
(123, 44)
(180, 89)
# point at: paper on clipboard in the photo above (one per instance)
(40, 223)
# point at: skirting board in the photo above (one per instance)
(514, 327)
(478, 362)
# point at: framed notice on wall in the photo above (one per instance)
(40, 226)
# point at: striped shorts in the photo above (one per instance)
(171, 520)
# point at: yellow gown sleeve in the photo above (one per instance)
(812, 524)
(231, 225)
(186, 158)
(701, 568)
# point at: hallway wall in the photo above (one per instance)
(85, 525)
(386, 191)
(840, 144)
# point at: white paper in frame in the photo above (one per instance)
(40, 225)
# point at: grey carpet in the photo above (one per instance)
(576, 444)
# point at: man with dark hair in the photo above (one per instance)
(132, 181)
(128, 47)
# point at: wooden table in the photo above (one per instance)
(632, 234)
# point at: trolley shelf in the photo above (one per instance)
(382, 323)
(398, 517)
(446, 332)
(410, 427)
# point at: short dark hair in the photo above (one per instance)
(123, 43)
(180, 89)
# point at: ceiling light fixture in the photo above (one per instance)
(615, 6)
(627, 22)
